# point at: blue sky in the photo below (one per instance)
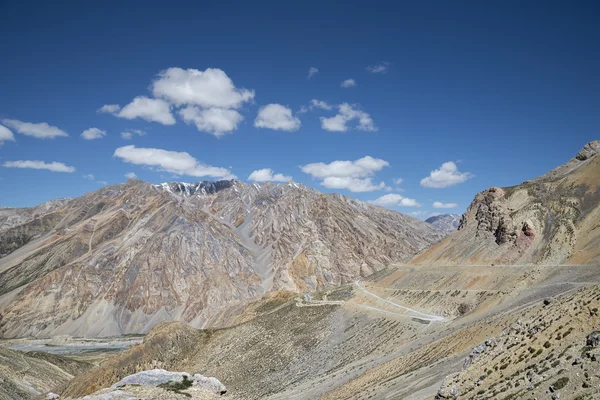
(497, 93)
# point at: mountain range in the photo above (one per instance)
(121, 259)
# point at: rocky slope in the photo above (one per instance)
(552, 219)
(445, 223)
(345, 343)
(123, 258)
(28, 375)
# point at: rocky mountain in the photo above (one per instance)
(445, 223)
(552, 219)
(125, 257)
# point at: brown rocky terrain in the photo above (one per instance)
(346, 343)
(128, 256)
(553, 219)
(28, 375)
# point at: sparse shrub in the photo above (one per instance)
(561, 383)
(463, 308)
(547, 344)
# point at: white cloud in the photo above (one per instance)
(347, 113)
(278, 117)
(314, 103)
(380, 68)
(151, 110)
(53, 166)
(40, 130)
(6, 135)
(103, 183)
(352, 175)
(207, 89)
(91, 177)
(93, 133)
(216, 121)
(128, 134)
(447, 175)
(311, 72)
(418, 212)
(394, 200)
(179, 163)
(397, 181)
(267, 175)
(131, 175)
(348, 83)
(356, 185)
(438, 204)
(109, 108)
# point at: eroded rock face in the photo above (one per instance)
(126, 257)
(548, 220)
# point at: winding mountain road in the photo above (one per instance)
(419, 315)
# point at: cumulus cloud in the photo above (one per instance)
(216, 121)
(277, 117)
(151, 110)
(207, 89)
(109, 109)
(129, 133)
(53, 166)
(130, 175)
(6, 135)
(93, 133)
(311, 72)
(347, 113)
(356, 185)
(380, 68)
(179, 163)
(355, 176)
(437, 204)
(447, 175)
(348, 83)
(38, 130)
(267, 175)
(394, 200)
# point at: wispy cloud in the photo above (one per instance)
(37, 130)
(437, 204)
(179, 163)
(380, 68)
(348, 83)
(35, 164)
(312, 71)
(394, 200)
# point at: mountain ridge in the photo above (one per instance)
(547, 220)
(127, 256)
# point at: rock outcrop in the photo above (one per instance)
(128, 256)
(548, 220)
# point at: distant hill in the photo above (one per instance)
(445, 223)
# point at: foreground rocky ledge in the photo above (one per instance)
(158, 384)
